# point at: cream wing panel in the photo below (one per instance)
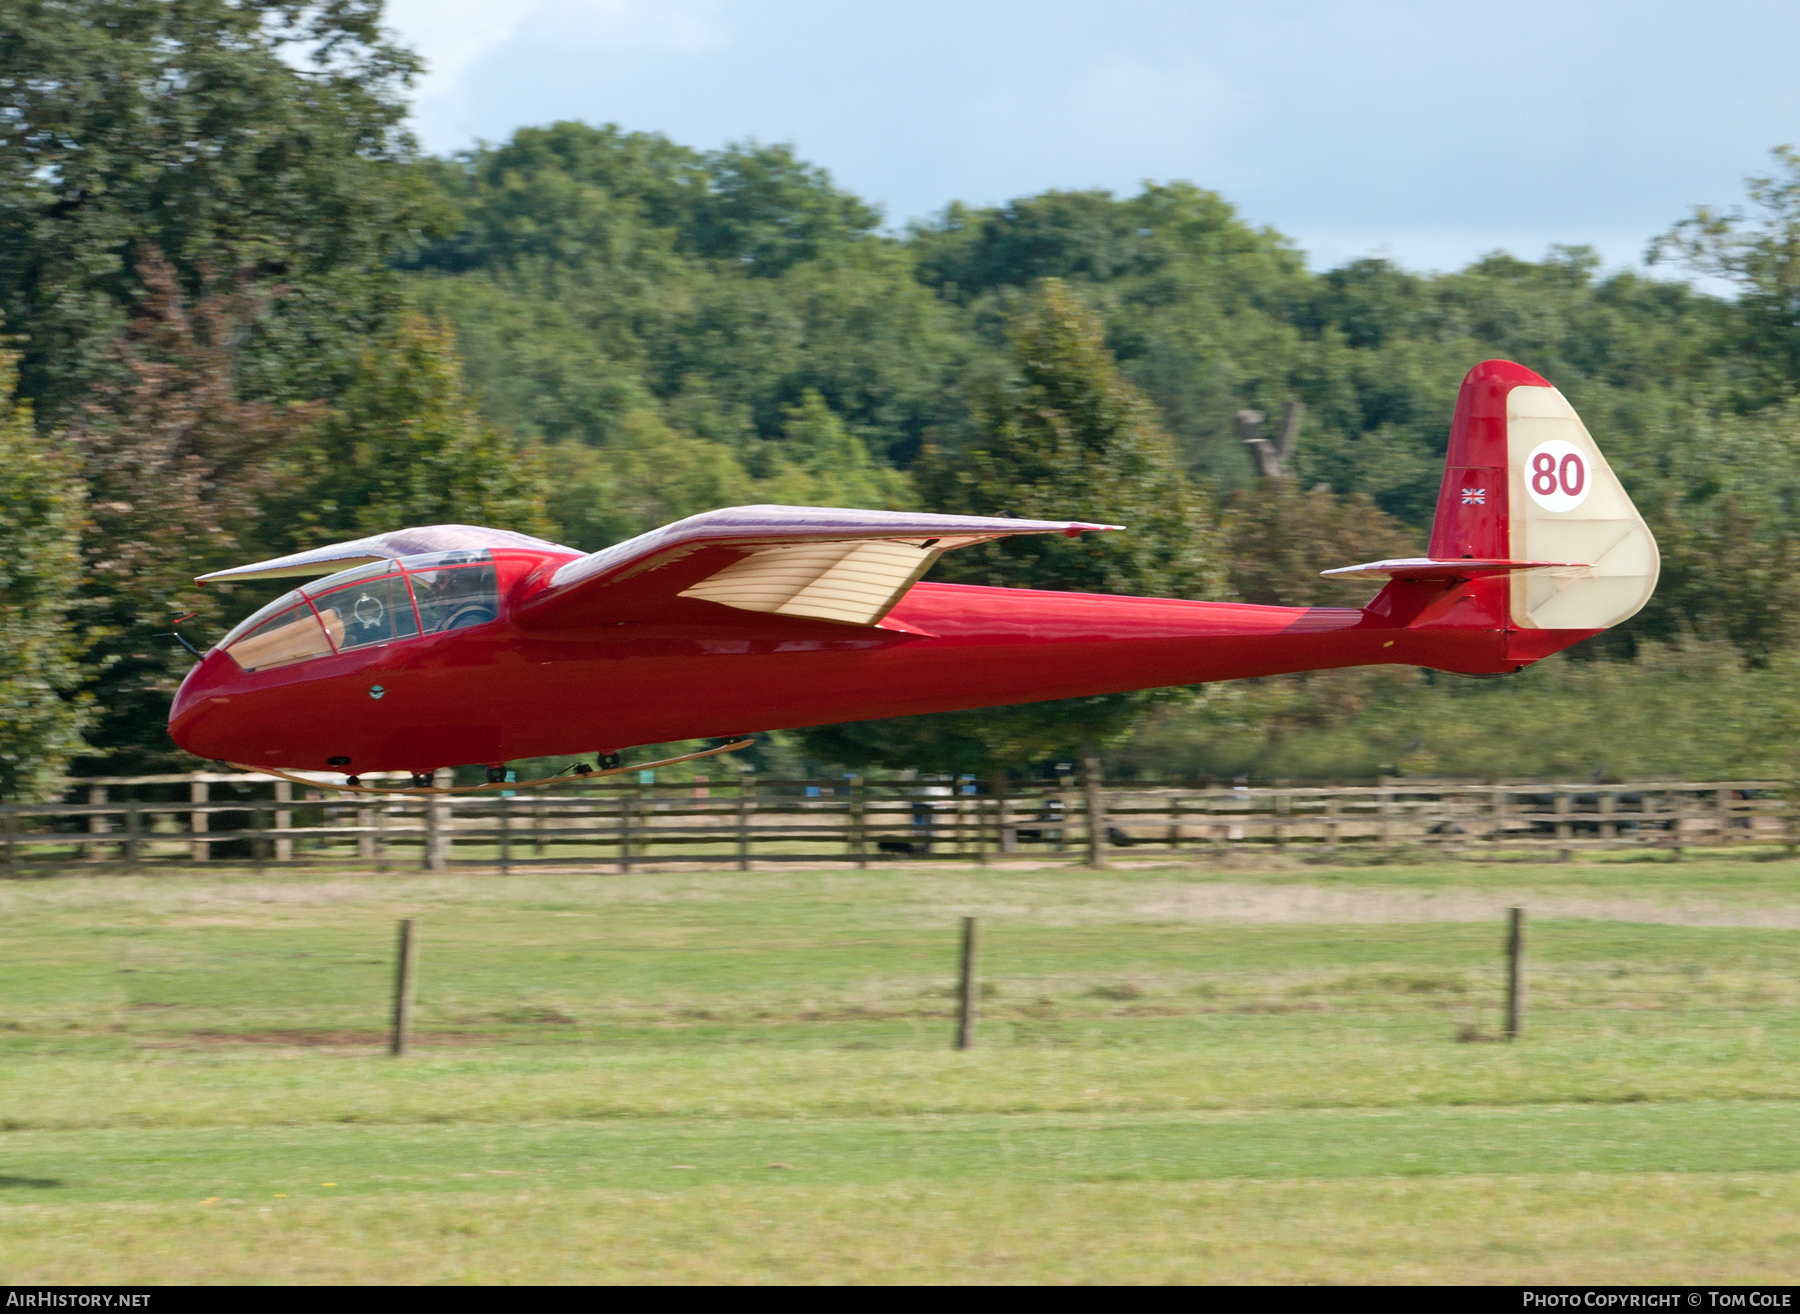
(852, 583)
(1567, 505)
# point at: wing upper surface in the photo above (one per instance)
(815, 563)
(382, 547)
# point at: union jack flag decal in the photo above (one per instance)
(1474, 497)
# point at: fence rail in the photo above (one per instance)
(150, 822)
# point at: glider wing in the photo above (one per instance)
(813, 563)
(382, 547)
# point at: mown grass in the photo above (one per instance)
(1183, 1075)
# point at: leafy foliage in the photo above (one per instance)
(1761, 256)
(254, 137)
(1070, 439)
(177, 468)
(406, 447)
(41, 713)
(1690, 711)
(652, 475)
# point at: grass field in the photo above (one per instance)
(1183, 1075)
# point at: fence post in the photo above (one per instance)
(12, 838)
(97, 823)
(1007, 839)
(134, 821)
(198, 822)
(406, 973)
(365, 832)
(746, 793)
(965, 988)
(626, 801)
(377, 841)
(505, 835)
(1091, 785)
(1384, 805)
(859, 825)
(1283, 805)
(1564, 830)
(1515, 972)
(429, 859)
(284, 820)
(440, 822)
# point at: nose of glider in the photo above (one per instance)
(194, 717)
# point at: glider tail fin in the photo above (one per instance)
(1528, 495)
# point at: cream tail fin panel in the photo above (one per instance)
(1567, 505)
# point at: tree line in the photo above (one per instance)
(244, 315)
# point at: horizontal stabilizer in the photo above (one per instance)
(1456, 568)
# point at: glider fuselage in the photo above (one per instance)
(498, 692)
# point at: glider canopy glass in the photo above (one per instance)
(363, 611)
(454, 589)
(369, 605)
(284, 632)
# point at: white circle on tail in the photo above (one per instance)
(1557, 475)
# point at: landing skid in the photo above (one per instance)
(587, 777)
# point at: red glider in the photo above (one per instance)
(451, 644)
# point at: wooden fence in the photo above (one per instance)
(165, 822)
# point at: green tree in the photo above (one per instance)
(406, 446)
(1760, 254)
(178, 466)
(257, 137)
(41, 712)
(819, 462)
(1278, 538)
(648, 476)
(1069, 439)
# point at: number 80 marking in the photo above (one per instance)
(1556, 475)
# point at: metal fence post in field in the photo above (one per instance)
(965, 987)
(405, 976)
(1515, 972)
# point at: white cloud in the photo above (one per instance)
(455, 36)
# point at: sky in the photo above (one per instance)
(1430, 133)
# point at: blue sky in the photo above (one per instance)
(1428, 132)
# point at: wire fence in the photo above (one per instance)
(149, 823)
